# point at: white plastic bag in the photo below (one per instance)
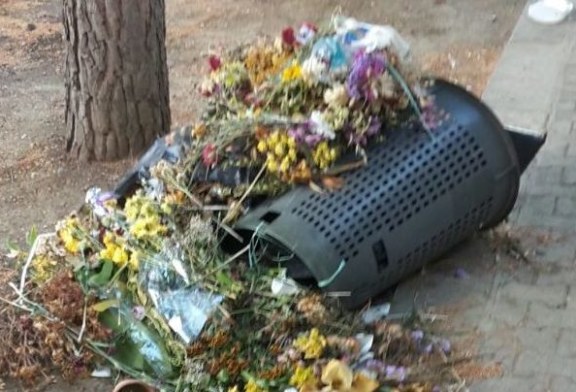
(371, 37)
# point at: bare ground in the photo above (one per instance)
(458, 39)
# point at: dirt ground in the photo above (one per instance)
(457, 39)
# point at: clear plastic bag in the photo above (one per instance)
(186, 308)
(358, 35)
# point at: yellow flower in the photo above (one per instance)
(323, 155)
(170, 200)
(71, 244)
(114, 249)
(120, 256)
(144, 217)
(69, 234)
(234, 389)
(262, 146)
(312, 344)
(338, 377)
(134, 261)
(280, 150)
(292, 73)
(263, 61)
(42, 267)
(302, 376)
(251, 386)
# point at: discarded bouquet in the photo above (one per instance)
(143, 282)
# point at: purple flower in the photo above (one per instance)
(303, 134)
(375, 365)
(359, 137)
(397, 373)
(417, 335)
(431, 116)
(445, 346)
(312, 140)
(138, 312)
(366, 68)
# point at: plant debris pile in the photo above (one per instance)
(139, 280)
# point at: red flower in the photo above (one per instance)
(288, 37)
(209, 155)
(214, 62)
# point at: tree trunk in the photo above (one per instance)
(117, 99)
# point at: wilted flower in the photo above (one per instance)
(361, 131)
(210, 155)
(288, 37)
(315, 69)
(280, 150)
(252, 386)
(311, 344)
(208, 88)
(302, 376)
(69, 233)
(417, 335)
(139, 312)
(320, 127)
(445, 345)
(324, 155)
(364, 73)
(43, 268)
(114, 249)
(397, 373)
(336, 96)
(292, 73)
(214, 62)
(338, 377)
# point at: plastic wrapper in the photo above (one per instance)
(185, 307)
(334, 54)
(357, 35)
(143, 347)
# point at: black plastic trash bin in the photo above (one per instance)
(417, 197)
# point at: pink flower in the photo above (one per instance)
(214, 62)
(210, 155)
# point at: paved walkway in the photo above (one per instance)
(524, 312)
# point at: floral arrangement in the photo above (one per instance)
(139, 281)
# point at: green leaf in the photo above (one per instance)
(224, 280)
(223, 376)
(141, 341)
(31, 236)
(105, 305)
(103, 277)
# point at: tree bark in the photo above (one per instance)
(117, 99)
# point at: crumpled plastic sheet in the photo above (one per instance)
(333, 54)
(185, 307)
(370, 37)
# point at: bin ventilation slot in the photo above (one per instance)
(270, 216)
(380, 254)
(394, 187)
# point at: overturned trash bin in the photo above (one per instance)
(417, 197)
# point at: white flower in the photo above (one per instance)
(320, 126)
(314, 68)
(336, 96)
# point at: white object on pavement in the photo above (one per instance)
(376, 313)
(550, 11)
